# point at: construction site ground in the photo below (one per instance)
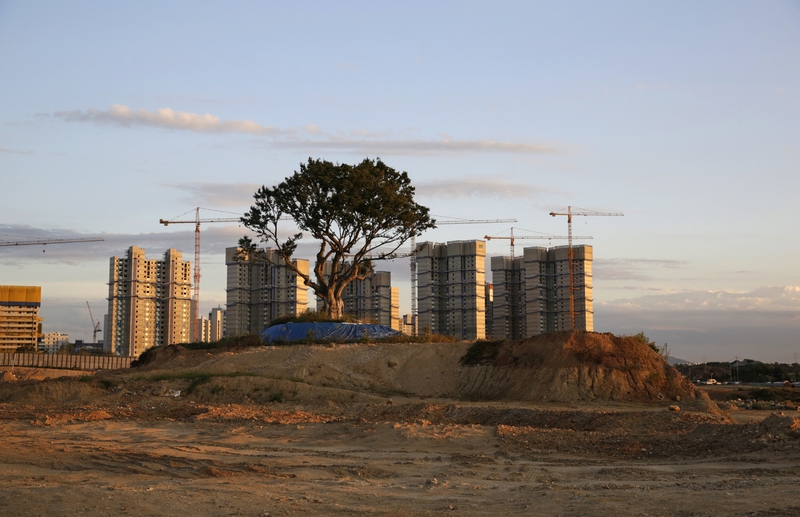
(258, 432)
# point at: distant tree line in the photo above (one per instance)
(747, 370)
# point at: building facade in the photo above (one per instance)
(20, 324)
(371, 300)
(531, 293)
(51, 342)
(217, 317)
(261, 288)
(452, 289)
(149, 302)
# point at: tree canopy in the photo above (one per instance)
(359, 214)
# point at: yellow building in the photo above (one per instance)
(20, 324)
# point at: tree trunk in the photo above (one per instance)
(334, 306)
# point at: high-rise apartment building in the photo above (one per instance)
(20, 324)
(149, 302)
(371, 300)
(452, 289)
(531, 293)
(261, 288)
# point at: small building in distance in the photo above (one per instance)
(149, 302)
(452, 289)
(217, 318)
(260, 288)
(531, 293)
(52, 342)
(20, 324)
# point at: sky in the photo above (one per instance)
(683, 115)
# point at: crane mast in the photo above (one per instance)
(569, 213)
(95, 324)
(196, 283)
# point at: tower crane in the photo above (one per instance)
(95, 324)
(196, 284)
(47, 241)
(512, 238)
(569, 213)
(413, 262)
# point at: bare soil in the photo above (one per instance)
(576, 424)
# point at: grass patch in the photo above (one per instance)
(227, 342)
(107, 384)
(276, 397)
(481, 352)
(86, 378)
(196, 378)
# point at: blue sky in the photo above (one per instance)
(683, 115)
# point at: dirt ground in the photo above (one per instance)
(180, 438)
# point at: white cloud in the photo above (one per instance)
(348, 67)
(166, 118)
(631, 268)
(218, 194)
(473, 187)
(417, 147)
(6, 150)
(761, 324)
(360, 141)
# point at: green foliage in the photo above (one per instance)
(107, 384)
(645, 341)
(481, 352)
(359, 213)
(86, 378)
(226, 342)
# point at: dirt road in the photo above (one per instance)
(157, 457)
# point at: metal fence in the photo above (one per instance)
(65, 361)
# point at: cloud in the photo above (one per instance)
(474, 187)
(166, 118)
(416, 147)
(630, 268)
(218, 194)
(6, 150)
(348, 67)
(360, 141)
(760, 324)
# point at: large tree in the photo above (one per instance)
(359, 214)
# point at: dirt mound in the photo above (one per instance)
(566, 367)
(573, 366)
(52, 391)
(158, 356)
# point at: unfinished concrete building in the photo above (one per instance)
(20, 324)
(531, 293)
(149, 302)
(261, 287)
(452, 289)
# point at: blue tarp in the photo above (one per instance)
(325, 332)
